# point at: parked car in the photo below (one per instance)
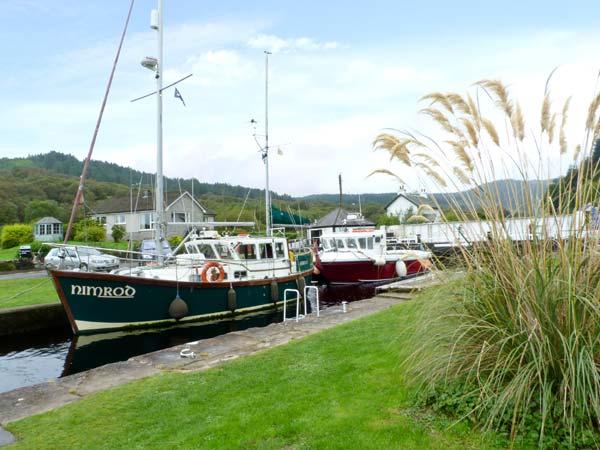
(80, 258)
(148, 250)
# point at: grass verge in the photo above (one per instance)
(27, 291)
(341, 388)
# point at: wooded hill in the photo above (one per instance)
(45, 184)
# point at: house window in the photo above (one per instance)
(146, 222)
(56, 228)
(48, 228)
(101, 219)
(179, 217)
(42, 229)
(120, 219)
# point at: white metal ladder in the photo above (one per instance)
(297, 297)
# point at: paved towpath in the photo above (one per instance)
(27, 401)
(28, 274)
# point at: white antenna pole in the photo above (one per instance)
(160, 224)
(359, 206)
(266, 149)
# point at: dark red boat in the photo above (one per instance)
(361, 256)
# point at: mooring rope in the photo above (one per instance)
(25, 291)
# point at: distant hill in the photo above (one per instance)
(54, 177)
(506, 191)
(510, 193)
(113, 173)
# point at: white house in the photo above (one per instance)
(137, 214)
(406, 204)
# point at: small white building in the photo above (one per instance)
(48, 229)
(405, 205)
(137, 215)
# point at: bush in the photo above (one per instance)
(117, 231)
(174, 241)
(40, 248)
(6, 266)
(517, 349)
(16, 234)
(89, 230)
(384, 219)
(417, 219)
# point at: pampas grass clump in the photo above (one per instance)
(521, 338)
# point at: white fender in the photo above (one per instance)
(401, 268)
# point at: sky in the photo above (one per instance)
(340, 73)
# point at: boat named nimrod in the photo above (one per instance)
(211, 278)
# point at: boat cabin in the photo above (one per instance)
(359, 239)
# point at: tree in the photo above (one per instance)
(384, 219)
(36, 209)
(407, 214)
(88, 230)
(117, 231)
(8, 212)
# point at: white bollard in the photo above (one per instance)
(344, 307)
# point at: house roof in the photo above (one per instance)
(48, 220)
(143, 203)
(415, 199)
(339, 218)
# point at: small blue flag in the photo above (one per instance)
(178, 95)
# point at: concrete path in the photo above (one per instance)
(28, 274)
(27, 401)
(6, 438)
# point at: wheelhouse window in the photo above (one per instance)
(279, 250)
(266, 251)
(223, 251)
(207, 251)
(246, 251)
(339, 243)
(362, 243)
(370, 243)
(351, 243)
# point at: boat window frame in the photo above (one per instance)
(244, 255)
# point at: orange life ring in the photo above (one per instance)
(212, 265)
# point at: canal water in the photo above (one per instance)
(36, 358)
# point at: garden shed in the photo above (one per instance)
(48, 229)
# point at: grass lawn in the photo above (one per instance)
(341, 388)
(27, 291)
(8, 253)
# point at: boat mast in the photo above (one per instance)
(160, 225)
(265, 154)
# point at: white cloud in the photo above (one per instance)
(277, 44)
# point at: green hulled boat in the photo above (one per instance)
(211, 278)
